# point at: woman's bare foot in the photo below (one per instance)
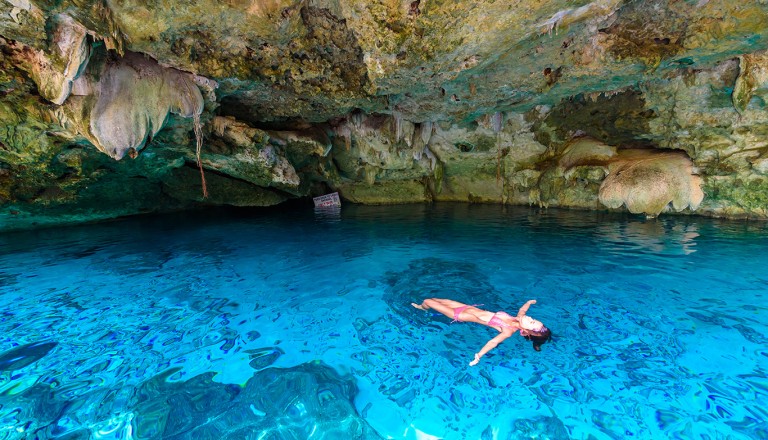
(418, 306)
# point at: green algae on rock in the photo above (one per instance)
(383, 101)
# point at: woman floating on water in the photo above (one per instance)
(507, 325)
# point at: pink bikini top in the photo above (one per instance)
(496, 321)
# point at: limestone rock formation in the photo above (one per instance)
(753, 77)
(69, 54)
(129, 102)
(251, 157)
(647, 182)
(584, 151)
(383, 101)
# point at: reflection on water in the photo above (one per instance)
(258, 324)
(332, 213)
(654, 235)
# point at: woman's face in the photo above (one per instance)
(529, 324)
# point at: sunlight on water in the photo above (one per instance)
(299, 325)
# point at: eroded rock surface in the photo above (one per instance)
(308, 400)
(648, 182)
(383, 101)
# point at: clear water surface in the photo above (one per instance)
(273, 325)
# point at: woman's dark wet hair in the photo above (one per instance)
(539, 338)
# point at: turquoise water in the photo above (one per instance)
(297, 325)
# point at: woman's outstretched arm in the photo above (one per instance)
(524, 309)
(490, 345)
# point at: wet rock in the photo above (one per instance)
(307, 401)
(299, 402)
(585, 151)
(19, 357)
(262, 358)
(540, 427)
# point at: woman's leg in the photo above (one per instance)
(444, 306)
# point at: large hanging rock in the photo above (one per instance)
(126, 101)
(647, 181)
(116, 102)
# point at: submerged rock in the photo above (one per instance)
(307, 401)
(19, 357)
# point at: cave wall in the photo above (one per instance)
(119, 108)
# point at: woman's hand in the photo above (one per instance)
(524, 309)
(477, 359)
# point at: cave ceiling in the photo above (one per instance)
(298, 97)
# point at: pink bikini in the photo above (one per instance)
(495, 320)
(457, 311)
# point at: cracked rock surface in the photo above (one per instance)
(119, 108)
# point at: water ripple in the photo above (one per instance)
(658, 325)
